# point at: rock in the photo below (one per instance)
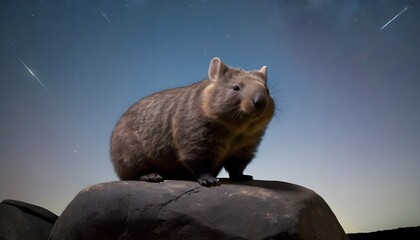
(20, 220)
(185, 210)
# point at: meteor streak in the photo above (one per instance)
(103, 14)
(33, 74)
(394, 18)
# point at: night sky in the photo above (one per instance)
(348, 93)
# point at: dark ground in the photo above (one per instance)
(410, 233)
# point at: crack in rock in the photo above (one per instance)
(178, 197)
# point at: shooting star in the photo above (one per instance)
(103, 14)
(394, 18)
(33, 74)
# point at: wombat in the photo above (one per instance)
(193, 132)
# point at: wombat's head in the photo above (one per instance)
(237, 95)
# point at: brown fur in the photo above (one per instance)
(195, 131)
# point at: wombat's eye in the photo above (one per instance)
(236, 88)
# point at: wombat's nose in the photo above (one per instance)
(259, 101)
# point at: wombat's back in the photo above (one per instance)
(145, 132)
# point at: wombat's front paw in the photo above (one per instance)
(241, 178)
(151, 177)
(208, 181)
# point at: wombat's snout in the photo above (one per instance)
(256, 105)
(259, 101)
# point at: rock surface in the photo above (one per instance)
(185, 210)
(20, 220)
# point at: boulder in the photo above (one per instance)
(20, 220)
(186, 210)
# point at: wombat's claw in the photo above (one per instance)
(208, 181)
(151, 177)
(241, 178)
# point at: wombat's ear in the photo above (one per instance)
(263, 71)
(217, 69)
